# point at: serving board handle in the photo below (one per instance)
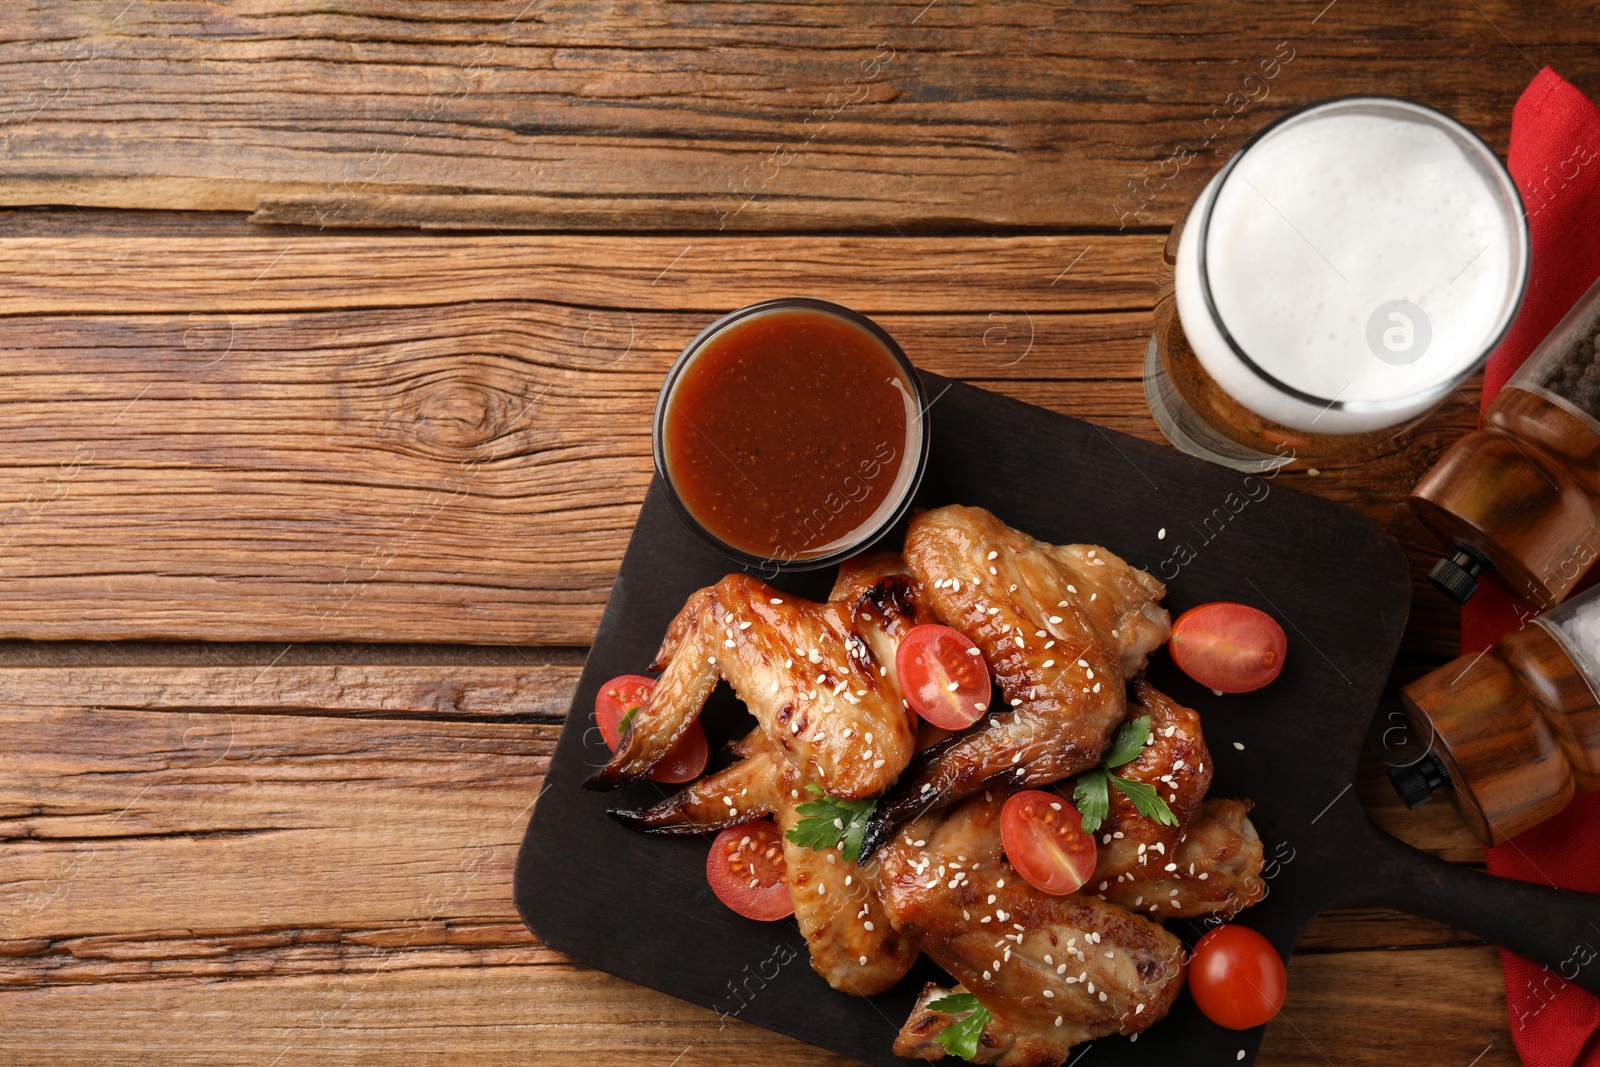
(1559, 929)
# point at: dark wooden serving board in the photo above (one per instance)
(639, 907)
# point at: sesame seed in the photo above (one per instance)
(1137, 1008)
(992, 555)
(986, 976)
(775, 600)
(972, 651)
(867, 926)
(953, 686)
(1049, 663)
(1053, 620)
(1058, 1020)
(863, 961)
(1102, 994)
(1048, 993)
(744, 626)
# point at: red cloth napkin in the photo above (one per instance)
(1555, 159)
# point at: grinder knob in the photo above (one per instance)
(1457, 577)
(1415, 782)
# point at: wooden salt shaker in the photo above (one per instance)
(1516, 731)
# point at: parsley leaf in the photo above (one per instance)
(961, 1038)
(1092, 797)
(1146, 800)
(1129, 743)
(1092, 794)
(829, 821)
(627, 721)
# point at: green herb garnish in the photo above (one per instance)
(1092, 794)
(961, 1038)
(829, 821)
(627, 721)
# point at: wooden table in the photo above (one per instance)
(331, 338)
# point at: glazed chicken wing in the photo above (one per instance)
(1205, 863)
(1052, 971)
(1059, 627)
(853, 946)
(736, 794)
(817, 677)
(1214, 870)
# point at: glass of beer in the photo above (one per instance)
(1337, 279)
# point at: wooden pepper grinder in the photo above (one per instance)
(1516, 731)
(1522, 495)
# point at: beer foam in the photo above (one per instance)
(1367, 255)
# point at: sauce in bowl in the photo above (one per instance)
(790, 432)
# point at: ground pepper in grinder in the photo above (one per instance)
(1522, 495)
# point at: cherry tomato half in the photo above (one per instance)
(1237, 977)
(1045, 841)
(747, 872)
(1226, 646)
(684, 762)
(943, 676)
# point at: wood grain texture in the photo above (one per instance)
(644, 115)
(369, 438)
(320, 855)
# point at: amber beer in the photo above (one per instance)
(1332, 284)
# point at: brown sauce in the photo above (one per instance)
(786, 432)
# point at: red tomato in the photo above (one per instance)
(1044, 840)
(684, 762)
(943, 676)
(1237, 977)
(1231, 647)
(747, 873)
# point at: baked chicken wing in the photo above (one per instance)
(1052, 971)
(1209, 861)
(1060, 627)
(817, 677)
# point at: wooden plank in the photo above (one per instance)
(757, 116)
(312, 852)
(371, 438)
(535, 692)
(1439, 1006)
(1344, 1007)
(492, 1014)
